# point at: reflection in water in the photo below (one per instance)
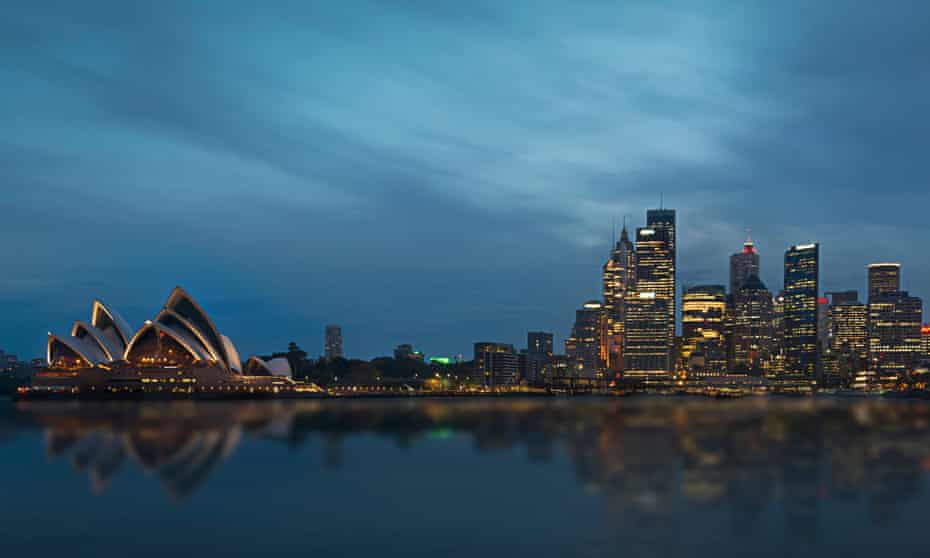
(654, 462)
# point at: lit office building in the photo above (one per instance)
(849, 334)
(802, 283)
(884, 279)
(753, 328)
(661, 273)
(619, 278)
(894, 335)
(538, 354)
(743, 264)
(654, 294)
(332, 348)
(646, 351)
(585, 346)
(702, 330)
(496, 364)
(925, 341)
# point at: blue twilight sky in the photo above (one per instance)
(441, 172)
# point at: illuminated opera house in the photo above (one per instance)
(180, 352)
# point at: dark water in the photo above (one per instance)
(526, 477)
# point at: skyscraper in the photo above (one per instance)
(743, 264)
(538, 354)
(894, 335)
(585, 345)
(333, 343)
(664, 268)
(802, 284)
(849, 336)
(753, 328)
(925, 341)
(619, 280)
(702, 312)
(884, 278)
(654, 298)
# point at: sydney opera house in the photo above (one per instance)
(179, 352)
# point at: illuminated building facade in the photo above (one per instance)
(585, 347)
(743, 264)
(884, 279)
(802, 283)
(497, 364)
(333, 342)
(849, 337)
(538, 352)
(894, 335)
(703, 309)
(646, 351)
(661, 272)
(753, 328)
(179, 352)
(925, 341)
(619, 278)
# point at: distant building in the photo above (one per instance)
(619, 279)
(497, 364)
(884, 279)
(849, 335)
(753, 330)
(405, 351)
(585, 346)
(802, 283)
(660, 274)
(895, 341)
(703, 309)
(538, 352)
(333, 343)
(925, 341)
(743, 264)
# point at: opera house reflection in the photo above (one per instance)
(653, 464)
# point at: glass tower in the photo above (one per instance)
(802, 277)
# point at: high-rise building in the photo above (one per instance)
(619, 279)
(496, 364)
(743, 264)
(894, 335)
(802, 283)
(753, 328)
(884, 279)
(653, 295)
(538, 354)
(849, 335)
(585, 346)
(925, 341)
(333, 343)
(703, 309)
(663, 276)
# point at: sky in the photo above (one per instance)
(439, 173)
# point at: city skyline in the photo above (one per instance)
(287, 148)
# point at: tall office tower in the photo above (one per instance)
(925, 341)
(884, 279)
(894, 335)
(585, 346)
(743, 264)
(646, 350)
(823, 324)
(538, 354)
(619, 279)
(753, 338)
(849, 336)
(703, 309)
(778, 309)
(802, 283)
(496, 364)
(333, 343)
(663, 279)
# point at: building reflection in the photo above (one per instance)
(652, 461)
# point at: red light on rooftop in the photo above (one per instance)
(925, 330)
(823, 300)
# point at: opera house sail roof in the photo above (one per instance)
(180, 350)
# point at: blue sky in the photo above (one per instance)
(441, 172)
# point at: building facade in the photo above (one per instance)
(884, 279)
(539, 350)
(585, 346)
(743, 264)
(619, 279)
(752, 344)
(496, 364)
(332, 348)
(894, 335)
(849, 336)
(802, 284)
(703, 309)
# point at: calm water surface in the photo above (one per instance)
(479, 477)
